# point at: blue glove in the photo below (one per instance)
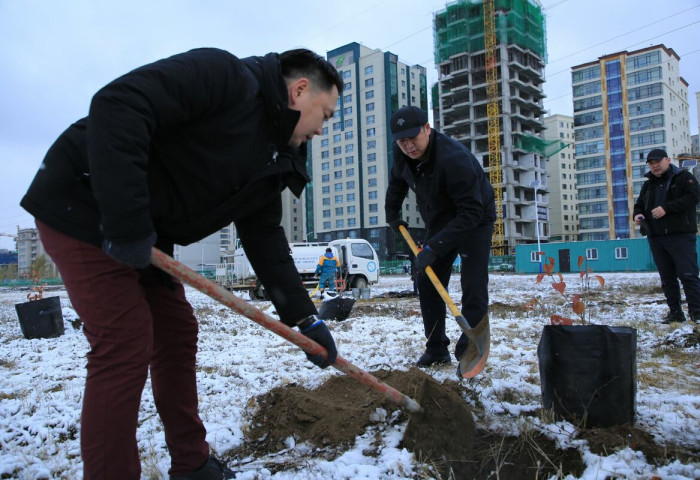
(316, 330)
(136, 253)
(394, 224)
(424, 258)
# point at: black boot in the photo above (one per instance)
(429, 358)
(675, 315)
(212, 469)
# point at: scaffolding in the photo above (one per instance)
(460, 27)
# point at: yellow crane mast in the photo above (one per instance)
(498, 245)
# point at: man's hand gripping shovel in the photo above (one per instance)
(473, 359)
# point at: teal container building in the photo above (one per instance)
(624, 255)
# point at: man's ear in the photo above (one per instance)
(297, 88)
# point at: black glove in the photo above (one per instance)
(316, 330)
(424, 258)
(394, 224)
(136, 253)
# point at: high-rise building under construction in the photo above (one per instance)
(515, 58)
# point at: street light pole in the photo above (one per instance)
(534, 184)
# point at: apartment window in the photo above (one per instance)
(326, 201)
(325, 166)
(373, 220)
(351, 222)
(369, 82)
(338, 162)
(370, 119)
(403, 83)
(369, 94)
(369, 70)
(350, 172)
(324, 142)
(349, 160)
(347, 73)
(351, 208)
(373, 194)
(371, 170)
(336, 126)
(347, 86)
(326, 225)
(338, 199)
(339, 210)
(372, 182)
(350, 198)
(371, 157)
(336, 138)
(350, 185)
(348, 135)
(347, 98)
(324, 154)
(327, 213)
(347, 111)
(369, 107)
(373, 207)
(337, 150)
(326, 190)
(340, 223)
(324, 131)
(620, 253)
(348, 123)
(325, 178)
(338, 174)
(371, 144)
(349, 148)
(591, 254)
(370, 132)
(338, 187)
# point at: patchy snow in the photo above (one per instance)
(41, 383)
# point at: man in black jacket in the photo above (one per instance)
(666, 210)
(170, 153)
(456, 202)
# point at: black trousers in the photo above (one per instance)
(676, 259)
(474, 278)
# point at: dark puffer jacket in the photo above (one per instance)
(452, 190)
(679, 197)
(182, 147)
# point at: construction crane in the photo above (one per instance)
(498, 244)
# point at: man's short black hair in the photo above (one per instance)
(329, 250)
(302, 62)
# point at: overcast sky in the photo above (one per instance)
(54, 55)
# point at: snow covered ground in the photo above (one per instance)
(41, 381)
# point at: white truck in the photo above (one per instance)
(358, 261)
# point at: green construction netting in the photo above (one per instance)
(546, 148)
(460, 27)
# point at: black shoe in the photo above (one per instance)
(430, 358)
(212, 469)
(674, 316)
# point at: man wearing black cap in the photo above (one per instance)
(665, 210)
(456, 202)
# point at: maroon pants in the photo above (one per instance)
(132, 321)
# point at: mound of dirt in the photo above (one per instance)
(443, 436)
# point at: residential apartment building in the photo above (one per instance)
(351, 159)
(460, 57)
(206, 253)
(29, 248)
(561, 179)
(625, 104)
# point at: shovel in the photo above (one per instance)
(217, 292)
(473, 359)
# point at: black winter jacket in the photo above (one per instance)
(452, 190)
(182, 147)
(679, 199)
